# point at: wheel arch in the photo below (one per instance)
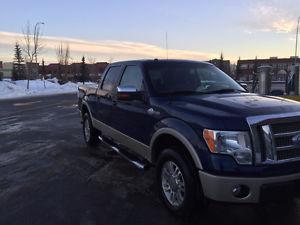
(85, 109)
(167, 137)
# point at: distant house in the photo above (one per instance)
(73, 70)
(281, 67)
(33, 69)
(223, 65)
(6, 69)
(1, 73)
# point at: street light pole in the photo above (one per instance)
(296, 47)
(35, 36)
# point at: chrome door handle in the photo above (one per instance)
(151, 111)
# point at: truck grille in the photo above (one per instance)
(285, 142)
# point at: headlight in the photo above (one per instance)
(234, 143)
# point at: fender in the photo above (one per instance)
(84, 103)
(183, 133)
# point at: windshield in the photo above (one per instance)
(189, 78)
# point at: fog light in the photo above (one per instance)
(240, 191)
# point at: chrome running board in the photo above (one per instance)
(129, 157)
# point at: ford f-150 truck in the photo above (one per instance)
(206, 136)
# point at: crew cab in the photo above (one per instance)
(206, 136)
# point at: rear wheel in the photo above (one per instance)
(176, 183)
(90, 134)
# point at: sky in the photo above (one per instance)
(115, 30)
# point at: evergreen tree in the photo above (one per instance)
(83, 71)
(18, 67)
(238, 69)
(221, 67)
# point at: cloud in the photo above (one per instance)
(273, 16)
(103, 49)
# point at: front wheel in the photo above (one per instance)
(90, 134)
(177, 183)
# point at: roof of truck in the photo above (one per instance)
(145, 61)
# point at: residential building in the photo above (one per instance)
(223, 65)
(280, 67)
(6, 69)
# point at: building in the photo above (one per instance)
(6, 69)
(223, 65)
(1, 73)
(281, 67)
(73, 70)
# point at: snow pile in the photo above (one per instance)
(15, 89)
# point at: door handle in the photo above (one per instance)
(152, 112)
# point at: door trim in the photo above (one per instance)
(137, 147)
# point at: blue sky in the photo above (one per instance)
(136, 29)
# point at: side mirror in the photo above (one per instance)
(244, 85)
(127, 93)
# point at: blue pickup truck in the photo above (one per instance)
(206, 136)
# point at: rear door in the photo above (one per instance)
(105, 92)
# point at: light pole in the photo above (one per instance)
(36, 35)
(297, 33)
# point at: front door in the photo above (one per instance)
(131, 118)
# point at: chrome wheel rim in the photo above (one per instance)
(87, 130)
(172, 183)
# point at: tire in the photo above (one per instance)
(184, 185)
(90, 134)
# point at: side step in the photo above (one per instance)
(129, 157)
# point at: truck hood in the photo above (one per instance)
(229, 109)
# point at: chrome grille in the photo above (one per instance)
(275, 137)
(286, 140)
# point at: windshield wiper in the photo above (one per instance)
(225, 90)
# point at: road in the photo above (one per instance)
(48, 176)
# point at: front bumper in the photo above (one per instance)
(220, 188)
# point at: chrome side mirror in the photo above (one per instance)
(127, 93)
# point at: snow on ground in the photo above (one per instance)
(15, 89)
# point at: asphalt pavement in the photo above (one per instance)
(49, 177)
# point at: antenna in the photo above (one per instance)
(167, 48)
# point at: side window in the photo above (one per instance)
(132, 76)
(111, 78)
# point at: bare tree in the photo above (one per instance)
(91, 59)
(110, 60)
(63, 58)
(32, 47)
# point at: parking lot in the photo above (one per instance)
(49, 176)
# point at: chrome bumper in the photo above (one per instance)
(220, 188)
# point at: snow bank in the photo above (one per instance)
(16, 89)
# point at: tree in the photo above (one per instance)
(18, 64)
(43, 72)
(222, 62)
(255, 73)
(238, 69)
(63, 58)
(83, 71)
(32, 47)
